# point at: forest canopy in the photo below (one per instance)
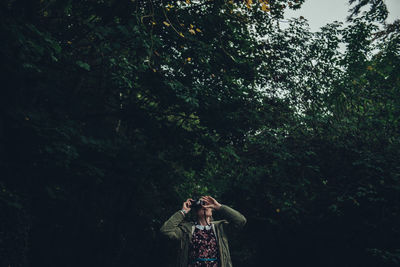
(114, 112)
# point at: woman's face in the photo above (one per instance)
(208, 211)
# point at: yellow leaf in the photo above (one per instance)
(69, 42)
(167, 8)
(166, 23)
(181, 34)
(187, 1)
(370, 68)
(189, 59)
(153, 23)
(198, 30)
(170, 6)
(182, 24)
(192, 31)
(265, 8)
(249, 3)
(191, 26)
(278, 210)
(154, 70)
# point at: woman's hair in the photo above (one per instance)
(195, 216)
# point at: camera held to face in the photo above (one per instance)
(197, 203)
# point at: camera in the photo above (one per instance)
(197, 203)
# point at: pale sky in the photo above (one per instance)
(320, 12)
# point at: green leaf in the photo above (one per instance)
(83, 65)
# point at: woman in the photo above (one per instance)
(204, 242)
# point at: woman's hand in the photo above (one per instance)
(186, 205)
(210, 202)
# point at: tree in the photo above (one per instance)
(115, 111)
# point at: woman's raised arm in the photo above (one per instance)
(171, 227)
(232, 216)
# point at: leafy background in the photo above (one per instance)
(114, 112)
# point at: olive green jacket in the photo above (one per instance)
(177, 228)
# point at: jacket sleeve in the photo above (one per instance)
(171, 227)
(232, 216)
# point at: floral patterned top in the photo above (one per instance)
(203, 245)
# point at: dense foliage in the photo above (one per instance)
(114, 112)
